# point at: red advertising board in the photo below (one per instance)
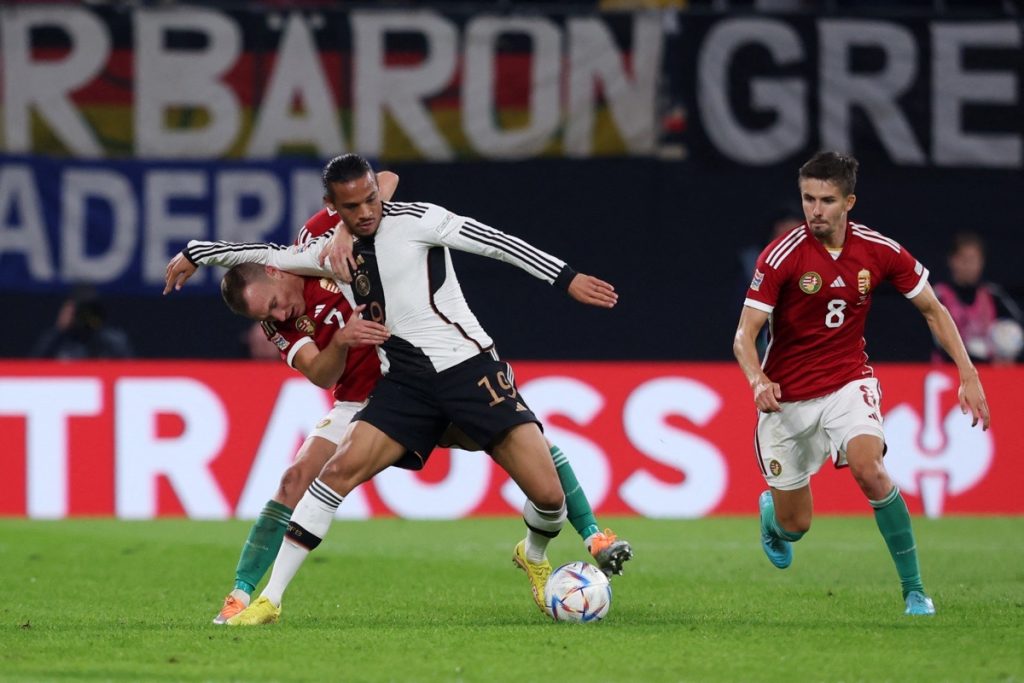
(210, 440)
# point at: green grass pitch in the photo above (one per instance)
(395, 600)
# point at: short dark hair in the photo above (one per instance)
(234, 282)
(966, 239)
(342, 169)
(838, 169)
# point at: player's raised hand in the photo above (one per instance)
(361, 332)
(179, 269)
(766, 395)
(587, 289)
(972, 399)
(340, 252)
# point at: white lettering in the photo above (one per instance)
(478, 90)
(142, 455)
(784, 97)
(46, 404)
(594, 58)
(26, 237)
(162, 226)
(168, 79)
(581, 403)
(704, 466)
(876, 93)
(298, 75)
(232, 188)
(79, 187)
(953, 87)
(453, 497)
(45, 85)
(400, 90)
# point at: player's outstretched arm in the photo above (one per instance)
(298, 259)
(971, 393)
(744, 346)
(587, 289)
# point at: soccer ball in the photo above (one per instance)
(1007, 339)
(577, 592)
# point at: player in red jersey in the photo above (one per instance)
(297, 311)
(815, 392)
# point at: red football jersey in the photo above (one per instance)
(818, 305)
(326, 310)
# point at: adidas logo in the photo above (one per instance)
(838, 282)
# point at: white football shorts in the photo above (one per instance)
(794, 443)
(334, 424)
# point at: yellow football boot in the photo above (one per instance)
(258, 613)
(538, 573)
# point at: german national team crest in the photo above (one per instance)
(305, 325)
(775, 467)
(362, 284)
(864, 281)
(810, 283)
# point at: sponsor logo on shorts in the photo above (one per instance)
(775, 467)
(810, 282)
(305, 325)
(755, 284)
(362, 284)
(520, 407)
(323, 423)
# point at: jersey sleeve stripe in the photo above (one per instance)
(873, 236)
(295, 349)
(512, 245)
(784, 243)
(919, 286)
(884, 242)
(779, 258)
(207, 249)
(759, 305)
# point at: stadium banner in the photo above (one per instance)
(115, 224)
(429, 84)
(209, 440)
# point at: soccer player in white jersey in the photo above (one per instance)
(352, 375)
(815, 392)
(440, 366)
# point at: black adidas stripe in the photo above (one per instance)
(513, 246)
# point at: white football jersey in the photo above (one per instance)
(406, 279)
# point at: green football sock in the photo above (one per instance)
(578, 507)
(894, 522)
(262, 545)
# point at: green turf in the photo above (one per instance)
(394, 600)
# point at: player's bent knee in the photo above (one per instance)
(294, 483)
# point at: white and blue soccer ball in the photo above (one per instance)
(577, 592)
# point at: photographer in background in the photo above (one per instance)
(81, 332)
(988, 319)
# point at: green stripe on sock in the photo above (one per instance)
(262, 545)
(893, 520)
(576, 504)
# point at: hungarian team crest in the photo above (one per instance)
(810, 282)
(305, 325)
